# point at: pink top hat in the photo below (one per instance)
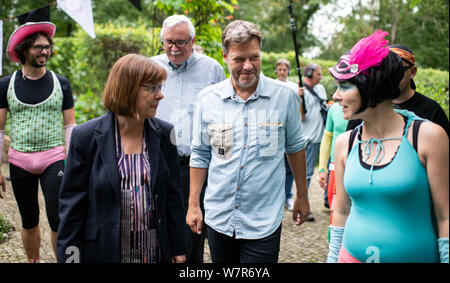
(25, 30)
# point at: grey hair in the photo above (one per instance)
(283, 61)
(311, 67)
(174, 20)
(238, 32)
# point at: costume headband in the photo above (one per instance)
(405, 55)
(367, 53)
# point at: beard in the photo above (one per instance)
(38, 62)
(246, 83)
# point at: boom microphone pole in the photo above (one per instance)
(292, 21)
(299, 72)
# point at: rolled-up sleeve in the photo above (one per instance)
(200, 148)
(294, 137)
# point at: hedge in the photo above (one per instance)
(86, 63)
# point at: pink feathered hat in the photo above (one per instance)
(367, 53)
(25, 30)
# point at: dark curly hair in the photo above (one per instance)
(23, 46)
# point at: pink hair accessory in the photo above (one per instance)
(367, 53)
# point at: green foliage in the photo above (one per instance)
(273, 20)
(207, 17)
(434, 84)
(5, 228)
(268, 66)
(86, 62)
(421, 25)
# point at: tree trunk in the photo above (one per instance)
(396, 7)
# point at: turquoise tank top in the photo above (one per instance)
(391, 213)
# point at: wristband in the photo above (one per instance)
(68, 129)
(336, 235)
(2, 143)
(443, 249)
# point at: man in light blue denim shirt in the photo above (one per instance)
(242, 127)
(188, 73)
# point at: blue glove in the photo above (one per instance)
(443, 249)
(336, 234)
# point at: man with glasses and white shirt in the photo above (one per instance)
(188, 72)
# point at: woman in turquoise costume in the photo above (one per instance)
(392, 182)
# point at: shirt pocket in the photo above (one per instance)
(221, 135)
(268, 137)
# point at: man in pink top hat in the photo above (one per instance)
(39, 102)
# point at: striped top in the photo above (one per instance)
(36, 127)
(139, 239)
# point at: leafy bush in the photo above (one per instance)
(5, 228)
(268, 67)
(434, 84)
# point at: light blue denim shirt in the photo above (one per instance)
(181, 90)
(243, 144)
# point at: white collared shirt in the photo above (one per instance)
(181, 90)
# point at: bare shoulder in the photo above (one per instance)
(341, 146)
(432, 138)
(430, 130)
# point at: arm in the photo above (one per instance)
(301, 205)
(3, 112)
(69, 124)
(324, 156)
(73, 199)
(342, 201)
(194, 216)
(301, 93)
(199, 163)
(433, 148)
(175, 206)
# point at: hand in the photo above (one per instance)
(322, 178)
(3, 185)
(301, 210)
(194, 219)
(301, 91)
(332, 204)
(179, 259)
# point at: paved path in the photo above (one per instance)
(305, 243)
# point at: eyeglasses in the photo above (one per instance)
(39, 48)
(153, 88)
(178, 43)
(405, 68)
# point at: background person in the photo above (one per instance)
(312, 124)
(282, 70)
(188, 72)
(335, 126)
(121, 198)
(39, 102)
(392, 170)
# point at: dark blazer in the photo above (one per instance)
(89, 200)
